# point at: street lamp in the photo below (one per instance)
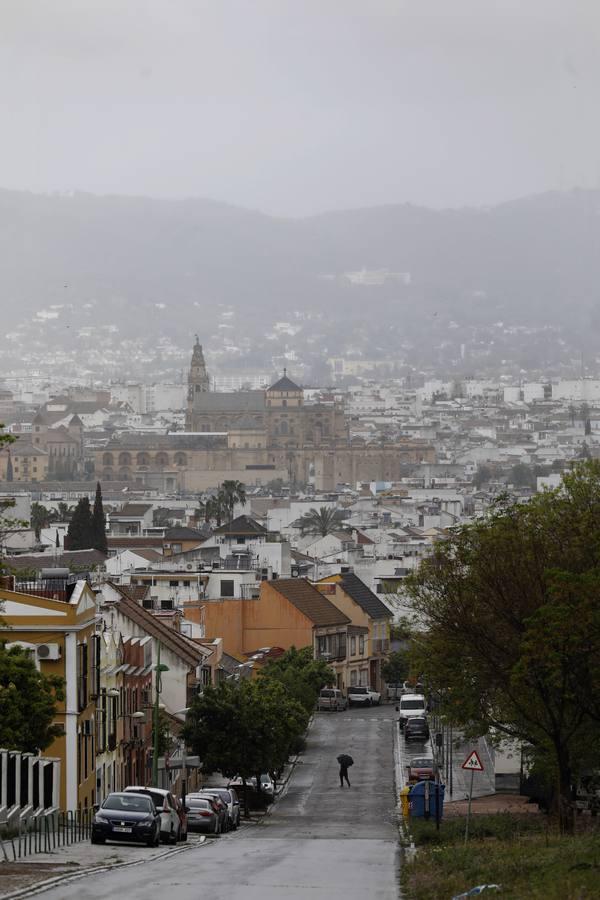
(183, 712)
(159, 669)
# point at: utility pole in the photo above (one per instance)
(158, 669)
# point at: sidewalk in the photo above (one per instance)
(495, 803)
(78, 858)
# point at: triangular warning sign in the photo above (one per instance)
(473, 762)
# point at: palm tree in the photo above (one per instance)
(214, 509)
(40, 518)
(321, 521)
(233, 492)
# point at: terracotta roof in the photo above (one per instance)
(309, 601)
(132, 509)
(181, 533)
(23, 448)
(149, 554)
(241, 525)
(126, 542)
(364, 596)
(135, 592)
(50, 560)
(181, 646)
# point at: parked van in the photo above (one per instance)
(331, 698)
(411, 705)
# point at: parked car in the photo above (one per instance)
(411, 705)
(358, 695)
(267, 786)
(416, 729)
(182, 813)
(420, 768)
(220, 805)
(331, 698)
(228, 796)
(170, 822)
(203, 815)
(126, 817)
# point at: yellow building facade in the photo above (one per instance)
(59, 627)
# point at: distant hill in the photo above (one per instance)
(116, 258)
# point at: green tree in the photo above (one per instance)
(165, 738)
(65, 512)
(244, 729)
(323, 521)
(232, 492)
(482, 475)
(161, 517)
(395, 668)
(512, 639)
(522, 475)
(300, 674)
(28, 702)
(40, 518)
(99, 523)
(214, 508)
(8, 524)
(80, 535)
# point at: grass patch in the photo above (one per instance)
(519, 853)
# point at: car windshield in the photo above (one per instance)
(412, 704)
(326, 693)
(128, 803)
(225, 795)
(197, 803)
(416, 722)
(157, 799)
(358, 690)
(421, 762)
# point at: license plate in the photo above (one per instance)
(121, 829)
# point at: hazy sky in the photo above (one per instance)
(297, 106)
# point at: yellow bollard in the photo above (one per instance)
(405, 803)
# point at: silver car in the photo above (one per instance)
(164, 801)
(202, 815)
(228, 796)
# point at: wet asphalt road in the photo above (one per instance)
(319, 842)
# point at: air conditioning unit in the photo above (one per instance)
(48, 651)
(189, 566)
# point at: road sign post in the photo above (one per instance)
(472, 764)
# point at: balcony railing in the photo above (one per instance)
(331, 657)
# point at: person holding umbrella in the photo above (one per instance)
(345, 762)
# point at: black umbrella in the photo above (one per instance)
(345, 760)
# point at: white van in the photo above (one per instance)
(411, 705)
(331, 698)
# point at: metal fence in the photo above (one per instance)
(44, 833)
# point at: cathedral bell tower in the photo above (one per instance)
(198, 382)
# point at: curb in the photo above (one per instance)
(405, 835)
(67, 877)
(284, 784)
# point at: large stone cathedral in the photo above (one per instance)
(254, 437)
(275, 418)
